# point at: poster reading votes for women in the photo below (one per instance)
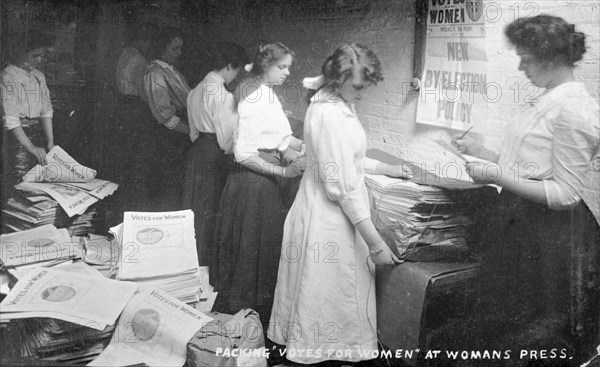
(453, 85)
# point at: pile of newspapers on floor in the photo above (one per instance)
(420, 218)
(93, 300)
(61, 193)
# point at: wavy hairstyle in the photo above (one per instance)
(268, 54)
(550, 39)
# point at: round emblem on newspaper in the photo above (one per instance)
(40, 242)
(145, 324)
(149, 236)
(474, 9)
(59, 293)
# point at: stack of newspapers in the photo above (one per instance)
(64, 313)
(61, 192)
(419, 222)
(159, 249)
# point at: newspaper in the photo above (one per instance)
(72, 200)
(62, 295)
(157, 244)
(61, 167)
(96, 187)
(154, 329)
(44, 243)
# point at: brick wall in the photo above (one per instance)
(313, 29)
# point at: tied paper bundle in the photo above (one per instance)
(418, 222)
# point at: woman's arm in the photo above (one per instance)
(260, 165)
(380, 252)
(38, 152)
(48, 131)
(469, 145)
(376, 167)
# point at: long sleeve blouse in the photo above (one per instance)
(554, 141)
(167, 91)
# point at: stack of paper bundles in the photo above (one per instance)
(42, 246)
(153, 329)
(410, 216)
(30, 209)
(52, 339)
(159, 249)
(87, 300)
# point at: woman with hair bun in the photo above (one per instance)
(252, 210)
(546, 158)
(325, 295)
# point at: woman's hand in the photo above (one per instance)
(295, 169)
(400, 171)
(39, 154)
(385, 257)
(466, 145)
(484, 173)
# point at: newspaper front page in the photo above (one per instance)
(153, 329)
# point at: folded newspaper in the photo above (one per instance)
(153, 329)
(73, 185)
(86, 300)
(61, 167)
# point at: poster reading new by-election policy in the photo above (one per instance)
(453, 85)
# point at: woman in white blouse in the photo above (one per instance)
(543, 162)
(26, 112)
(325, 296)
(252, 211)
(213, 118)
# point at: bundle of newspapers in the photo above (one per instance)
(60, 193)
(418, 222)
(159, 249)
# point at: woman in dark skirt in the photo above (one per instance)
(166, 91)
(250, 224)
(542, 166)
(213, 117)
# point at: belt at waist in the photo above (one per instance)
(208, 136)
(29, 121)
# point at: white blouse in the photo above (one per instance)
(262, 124)
(211, 109)
(24, 94)
(554, 140)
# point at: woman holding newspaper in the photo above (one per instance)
(27, 112)
(325, 284)
(543, 164)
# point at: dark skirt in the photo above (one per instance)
(539, 281)
(206, 170)
(248, 242)
(18, 161)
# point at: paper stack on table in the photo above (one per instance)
(417, 220)
(159, 249)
